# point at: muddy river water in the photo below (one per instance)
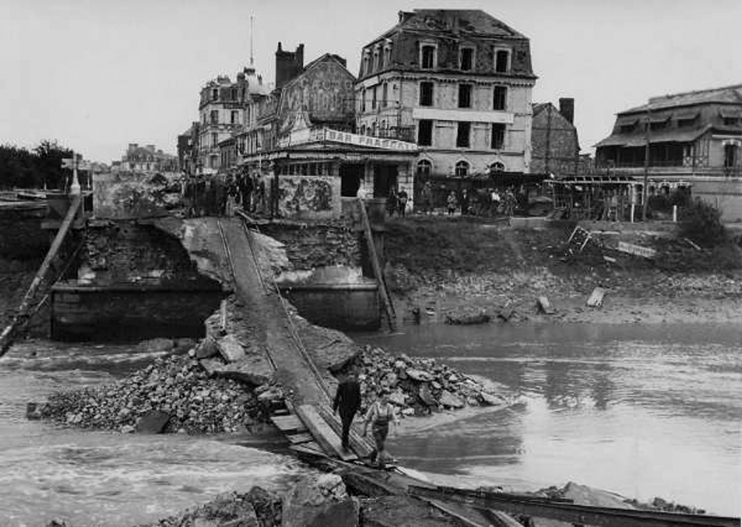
(642, 410)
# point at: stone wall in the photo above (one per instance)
(128, 252)
(126, 195)
(554, 146)
(130, 312)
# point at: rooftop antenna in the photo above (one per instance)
(251, 42)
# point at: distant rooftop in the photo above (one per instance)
(725, 95)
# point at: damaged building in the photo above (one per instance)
(456, 82)
(555, 146)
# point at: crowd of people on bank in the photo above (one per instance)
(220, 194)
(477, 202)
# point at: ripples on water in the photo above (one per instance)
(99, 478)
(641, 410)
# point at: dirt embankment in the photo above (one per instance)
(440, 269)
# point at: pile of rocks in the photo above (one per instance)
(419, 386)
(257, 507)
(175, 392)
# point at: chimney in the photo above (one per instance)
(404, 16)
(567, 108)
(289, 64)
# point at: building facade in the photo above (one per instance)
(692, 139)
(146, 159)
(222, 112)
(555, 147)
(457, 83)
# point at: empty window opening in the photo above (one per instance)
(467, 59)
(502, 61)
(425, 132)
(498, 136)
(426, 94)
(500, 97)
(427, 57)
(462, 135)
(464, 95)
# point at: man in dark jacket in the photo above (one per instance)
(348, 402)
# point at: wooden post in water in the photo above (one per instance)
(10, 332)
(378, 273)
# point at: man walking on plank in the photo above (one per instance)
(348, 401)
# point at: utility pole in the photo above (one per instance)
(645, 193)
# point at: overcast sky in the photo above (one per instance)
(99, 74)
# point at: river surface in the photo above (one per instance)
(112, 479)
(641, 410)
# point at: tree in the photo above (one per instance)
(21, 168)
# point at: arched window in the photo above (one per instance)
(384, 95)
(373, 129)
(496, 167)
(383, 130)
(462, 169)
(424, 167)
(363, 129)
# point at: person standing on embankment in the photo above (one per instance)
(348, 401)
(380, 414)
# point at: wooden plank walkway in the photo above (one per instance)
(323, 433)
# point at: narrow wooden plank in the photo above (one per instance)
(296, 439)
(322, 432)
(312, 447)
(288, 424)
(596, 298)
(545, 306)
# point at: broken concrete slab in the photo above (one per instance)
(449, 400)
(252, 369)
(418, 375)
(206, 349)
(230, 348)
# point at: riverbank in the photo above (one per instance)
(442, 269)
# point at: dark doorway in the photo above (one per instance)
(385, 178)
(350, 179)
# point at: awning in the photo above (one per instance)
(730, 113)
(627, 121)
(664, 136)
(656, 118)
(687, 115)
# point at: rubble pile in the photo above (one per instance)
(176, 389)
(257, 507)
(419, 386)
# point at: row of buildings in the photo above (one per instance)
(443, 94)
(447, 95)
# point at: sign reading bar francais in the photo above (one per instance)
(367, 140)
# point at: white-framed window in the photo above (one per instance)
(428, 56)
(234, 117)
(366, 59)
(214, 116)
(385, 94)
(376, 60)
(387, 54)
(363, 100)
(373, 97)
(214, 94)
(466, 58)
(462, 169)
(502, 60)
